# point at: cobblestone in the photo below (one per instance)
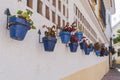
(113, 74)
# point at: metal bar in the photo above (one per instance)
(7, 12)
(39, 32)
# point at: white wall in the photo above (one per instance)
(27, 60)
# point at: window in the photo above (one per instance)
(53, 17)
(47, 12)
(30, 3)
(67, 1)
(67, 13)
(102, 13)
(64, 10)
(39, 6)
(77, 22)
(59, 21)
(93, 2)
(111, 3)
(54, 2)
(80, 15)
(59, 5)
(76, 10)
(63, 22)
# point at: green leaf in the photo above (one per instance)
(26, 15)
(33, 27)
(29, 12)
(118, 31)
(19, 12)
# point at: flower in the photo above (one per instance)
(69, 28)
(97, 46)
(50, 32)
(73, 38)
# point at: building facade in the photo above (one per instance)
(103, 10)
(27, 60)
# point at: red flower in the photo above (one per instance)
(83, 37)
(68, 29)
(88, 46)
(73, 29)
(74, 38)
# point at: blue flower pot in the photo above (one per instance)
(65, 36)
(49, 43)
(82, 45)
(18, 20)
(106, 53)
(79, 35)
(97, 52)
(87, 51)
(91, 48)
(18, 28)
(73, 46)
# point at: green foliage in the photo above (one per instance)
(117, 39)
(51, 31)
(26, 15)
(90, 44)
(97, 46)
(118, 31)
(19, 12)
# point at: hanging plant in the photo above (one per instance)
(91, 47)
(88, 48)
(102, 50)
(83, 44)
(50, 38)
(65, 33)
(97, 48)
(19, 24)
(73, 43)
(26, 16)
(106, 53)
(79, 32)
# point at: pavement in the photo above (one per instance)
(113, 74)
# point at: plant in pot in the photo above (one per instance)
(87, 49)
(83, 43)
(79, 32)
(85, 46)
(91, 47)
(113, 51)
(19, 24)
(73, 43)
(97, 48)
(66, 32)
(50, 38)
(106, 52)
(102, 50)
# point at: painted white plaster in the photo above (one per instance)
(27, 60)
